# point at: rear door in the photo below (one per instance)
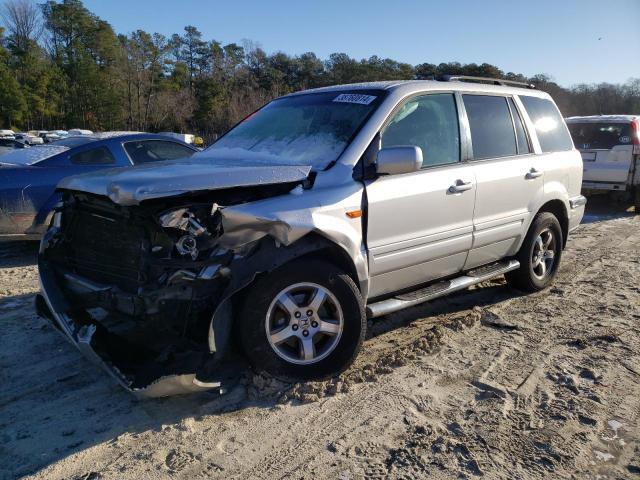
(606, 148)
(419, 225)
(510, 179)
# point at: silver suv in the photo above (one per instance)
(321, 209)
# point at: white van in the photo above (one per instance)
(610, 148)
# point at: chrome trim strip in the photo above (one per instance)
(394, 304)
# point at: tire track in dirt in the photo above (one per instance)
(519, 387)
(293, 460)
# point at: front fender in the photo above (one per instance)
(265, 257)
(288, 218)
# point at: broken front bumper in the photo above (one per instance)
(52, 305)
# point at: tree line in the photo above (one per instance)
(61, 66)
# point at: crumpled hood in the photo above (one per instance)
(132, 185)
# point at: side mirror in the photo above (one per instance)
(401, 159)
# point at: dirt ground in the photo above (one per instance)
(487, 383)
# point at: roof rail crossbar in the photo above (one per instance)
(495, 81)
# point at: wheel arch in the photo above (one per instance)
(558, 208)
(312, 245)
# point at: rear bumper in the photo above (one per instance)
(22, 226)
(619, 187)
(11, 237)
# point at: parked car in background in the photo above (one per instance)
(610, 149)
(49, 137)
(28, 138)
(319, 210)
(8, 144)
(7, 134)
(59, 133)
(79, 131)
(28, 177)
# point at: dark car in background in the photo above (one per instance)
(28, 177)
(10, 144)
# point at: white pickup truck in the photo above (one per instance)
(610, 148)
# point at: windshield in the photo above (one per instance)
(603, 136)
(311, 130)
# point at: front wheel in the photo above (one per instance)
(304, 320)
(539, 255)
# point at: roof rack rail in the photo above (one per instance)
(495, 81)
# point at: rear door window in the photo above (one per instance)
(549, 124)
(429, 122)
(600, 136)
(95, 156)
(521, 136)
(492, 133)
(145, 151)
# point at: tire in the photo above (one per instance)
(539, 255)
(636, 200)
(286, 332)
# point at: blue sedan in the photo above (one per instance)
(28, 177)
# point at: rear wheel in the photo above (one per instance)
(304, 320)
(539, 255)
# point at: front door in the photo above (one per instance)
(420, 224)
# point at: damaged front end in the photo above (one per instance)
(145, 289)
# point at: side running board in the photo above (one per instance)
(440, 289)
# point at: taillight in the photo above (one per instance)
(635, 135)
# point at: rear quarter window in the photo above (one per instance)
(549, 124)
(95, 156)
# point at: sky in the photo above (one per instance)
(574, 41)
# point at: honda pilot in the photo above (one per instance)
(320, 210)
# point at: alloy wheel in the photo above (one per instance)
(544, 253)
(304, 323)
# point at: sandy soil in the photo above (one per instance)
(487, 383)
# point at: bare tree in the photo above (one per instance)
(23, 21)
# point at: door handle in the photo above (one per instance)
(460, 186)
(533, 173)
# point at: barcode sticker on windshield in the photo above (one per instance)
(354, 98)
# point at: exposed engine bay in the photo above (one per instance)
(143, 285)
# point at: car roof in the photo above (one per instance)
(415, 86)
(602, 118)
(94, 137)
(38, 153)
